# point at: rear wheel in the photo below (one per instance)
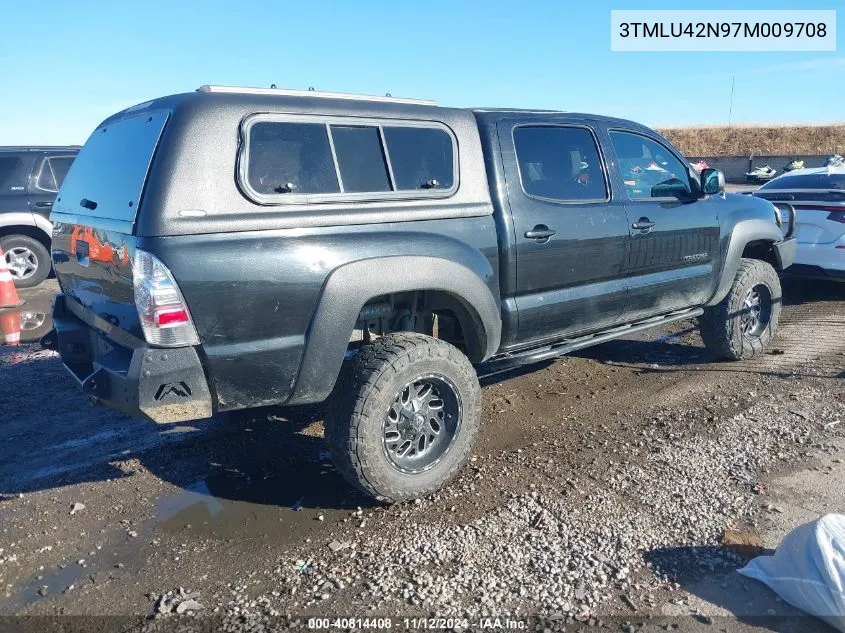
(27, 258)
(404, 416)
(743, 323)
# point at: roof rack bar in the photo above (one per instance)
(312, 93)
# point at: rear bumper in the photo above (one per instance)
(161, 384)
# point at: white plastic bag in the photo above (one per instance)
(808, 569)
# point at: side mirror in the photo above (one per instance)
(712, 181)
(672, 188)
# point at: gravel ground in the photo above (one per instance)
(575, 544)
(598, 496)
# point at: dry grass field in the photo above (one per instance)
(768, 140)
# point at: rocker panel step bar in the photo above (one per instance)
(506, 362)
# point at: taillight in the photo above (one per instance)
(837, 216)
(161, 309)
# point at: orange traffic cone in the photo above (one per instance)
(8, 294)
(10, 327)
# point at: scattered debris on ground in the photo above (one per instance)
(180, 601)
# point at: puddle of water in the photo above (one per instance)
(233, 503)
(194, 501)
(27, 323)
(95, 438)
(54, 582)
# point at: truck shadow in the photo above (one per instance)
(656, 354)
(795, 345)
(650, 357)
(719, 594)
(273, 459)
(798, 291)
(486, 378)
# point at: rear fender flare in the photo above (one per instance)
(350, 286)
(743, 233)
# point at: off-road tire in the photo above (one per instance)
(720, 324)
(365, 390)
(37, 249)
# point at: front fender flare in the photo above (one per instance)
(26, 218)
(743, 233)
(350, 286)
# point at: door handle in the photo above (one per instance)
(540, 232)
(43, 204)
(643, 224)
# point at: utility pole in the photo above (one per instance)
(731, 107)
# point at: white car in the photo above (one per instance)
(818, 196)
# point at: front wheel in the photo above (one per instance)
(742, 324)
(404, 416)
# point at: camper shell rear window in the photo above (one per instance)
(107, 177)
(288, 159)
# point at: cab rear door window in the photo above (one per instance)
(559, 163)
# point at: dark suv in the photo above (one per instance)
(29, 180)
(235, 248)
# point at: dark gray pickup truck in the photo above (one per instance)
(233, 248)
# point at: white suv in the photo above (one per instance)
(818, 196)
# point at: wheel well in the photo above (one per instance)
(433, 312)
(30, 231)
(762, 250)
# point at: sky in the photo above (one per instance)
(68, 65)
